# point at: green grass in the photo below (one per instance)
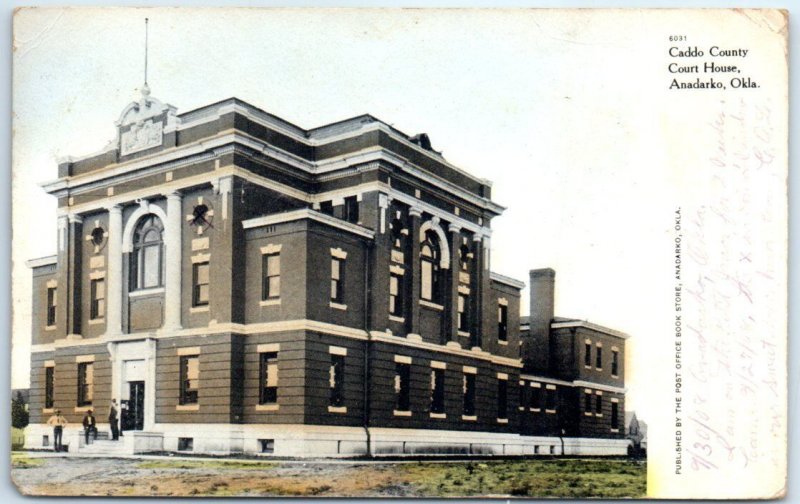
(204, 464)
(532, 478)
(22, 461)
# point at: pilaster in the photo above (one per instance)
(451, 290)
(412, 323)
(114, 278)
(173, 258)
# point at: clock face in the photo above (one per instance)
(202, 216)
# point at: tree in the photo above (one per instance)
(19, 416)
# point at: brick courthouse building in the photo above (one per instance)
(245, 285)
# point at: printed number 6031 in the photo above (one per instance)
(677, 38)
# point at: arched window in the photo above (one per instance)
(430, 256)
(147, 260)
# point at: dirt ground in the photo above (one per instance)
(164, 476)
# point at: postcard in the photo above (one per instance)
(508, 253)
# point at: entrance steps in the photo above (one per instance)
(132, 442)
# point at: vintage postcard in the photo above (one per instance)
(510, 253)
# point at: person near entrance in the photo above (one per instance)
(58, 422)
(89, 426)
(113, 421)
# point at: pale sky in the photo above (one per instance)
(556, 109)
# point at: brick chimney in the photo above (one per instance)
(536, 347)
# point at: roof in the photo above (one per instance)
(559, 322)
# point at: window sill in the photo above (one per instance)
(536, 410)
(337, 409)
(50, 328)
(550, 411)
(48, 410)
(502, 420)
(502, 342)
(199, 309)
(146, 292)
(521, 408)
(598, 369)
(464, 334)
(431, 305)
(270, 302)
(615, 376)
(96, 321)
(187, 407)
(469, 418)
(586, 413)
(587, 367)
(403, 413)
(267, 407)
(397, 319)
(439, 415)
(338, 306)
(598, 415)
(83, 409)
(615, 430)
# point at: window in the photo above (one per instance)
(502, 322)
(97, 308)
(190, 375)
(437, 390)
(185, 444)
(588, 401)
(148, 251)
(85, 383)
(469, 394)
(269, 378)
(200, 288)
(522, 396)
(598, 404)
(267, 445)
(599, 358)
(615, 362)
(271, 276)
(402, 376)
(337, 279)
(537, 399)
(464, 256)
(396, 295)
(49, 375)
(614, 415)
(463, 324)
(52, 299)
(587, 355)
(351, 209)
(551, 394)
(397, 233)
(326, 207)
(429, 257)
(336, 380)
(502, 398)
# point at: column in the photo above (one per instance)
(476, 291)
(451, 300)
(114, 286)
(173, 253)
(416, 271)
(72, 292)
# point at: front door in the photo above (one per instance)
(134, 417)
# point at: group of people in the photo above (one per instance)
(58, 422)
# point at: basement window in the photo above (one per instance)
(185, 444)
(267, 445)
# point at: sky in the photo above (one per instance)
(556, 109)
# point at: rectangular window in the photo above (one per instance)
(587, 401)
(190, 375)
(437, 390)
(587, 356)
(463, 324)
(271, 276)
(522, 396)
(269, 378)
(351, 209)
(502, 322)
(598, 404)
(49, 386)
(396, 295)
(185, 444)
(426, 286)
(97, 308)
(51, 306)
(337, 279)
(267, 445)
(200, 289)
(551, 396)
(402, 387)
(85, 383)
(599, 358)
(502, 398)
(614, 415)
(336, 380)
(614, 362)
(326, 207)
(469, 394)
(537, 398)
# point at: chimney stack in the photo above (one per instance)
(536, 350)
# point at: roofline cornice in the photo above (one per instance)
(41, 261)
(590, 325)
(307, 213)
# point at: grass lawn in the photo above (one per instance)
(531, 478)
(17, 438)
(204, 464)
(22, 461)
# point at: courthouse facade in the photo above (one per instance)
(244, 285)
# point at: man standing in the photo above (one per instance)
(58, 422)
(89, 426)
(112, 420)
